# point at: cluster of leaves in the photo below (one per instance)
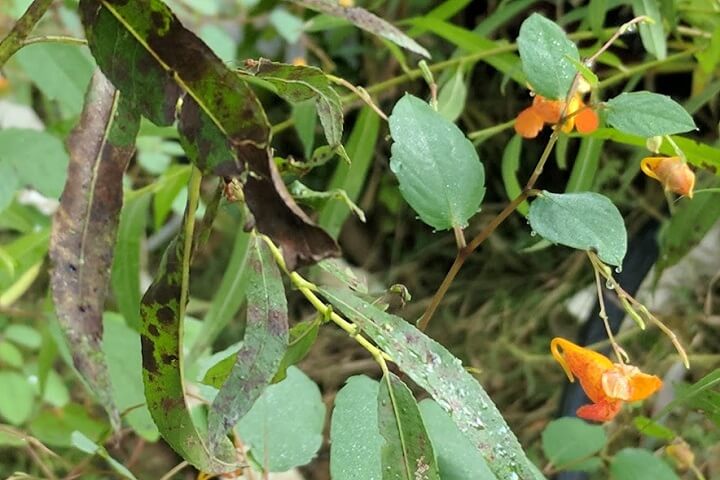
(146, 364)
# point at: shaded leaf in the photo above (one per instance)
(586, 221)
(301, 339)
(567, 440)
(222, 125)
(54, 426)
(544, 49)
(351, 178)
(124, 358)
(81, 442)
(651, 34)
(639, 464)
(585, 166)
(355, 445)
(442, 375)
(407, 452)
(85, 227)
(457, 458)
(365, 20)
(648, 114)
(264, 343)
(230, 295)
(510, 167)
(284, 427)
(689, 224)
(452, 95)
(298, 83)
(440, 174)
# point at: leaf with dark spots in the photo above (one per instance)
(297, 83)
(264, 344)
(146, 52)
(441, 375)
(407, 452)
(365, 20)
(162, 312)
(85, 227)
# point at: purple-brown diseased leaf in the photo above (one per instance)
(263, 347)
(163, 67)
(365, 20)
(85, 227)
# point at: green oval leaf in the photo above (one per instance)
(586, 221)
(16, 401)
(648, 114)
(355, 446)
(651, 34)
(440, 174)
(284, 427)
(639, 464)
(407, 452)
(567, 440)
(544, 51)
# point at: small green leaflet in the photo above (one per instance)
(264, 343)
(651, 34)
(544, 51)
(407, 452)
(639, 464)
(648, 114)
(586, 221)
(440, 174)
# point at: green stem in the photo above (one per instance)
(480, 135)
(307, 289)
(14, 40)
(189, 232)
(54, 39)
(618, 77)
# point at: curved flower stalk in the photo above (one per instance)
(607, 384)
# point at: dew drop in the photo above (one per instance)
(589, 63)
(618, 269)
(632, 28)
(609, 285)
(533, 233)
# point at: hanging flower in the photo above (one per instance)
(607, 384)
(531, 120)
(672, 172)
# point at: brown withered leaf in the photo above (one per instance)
(85, 227)
(152, 58)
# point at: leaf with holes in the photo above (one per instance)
(586, 221)
(264, 343)
(85, 227)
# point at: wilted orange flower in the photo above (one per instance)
(672, 172)
(607, 384)
(531, 120)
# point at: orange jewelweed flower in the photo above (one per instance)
(531, 120)
(607, 384)
(672, 172)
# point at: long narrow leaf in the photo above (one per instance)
(85, 227)
(407, 452)
(264, 343)
(442, 375)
